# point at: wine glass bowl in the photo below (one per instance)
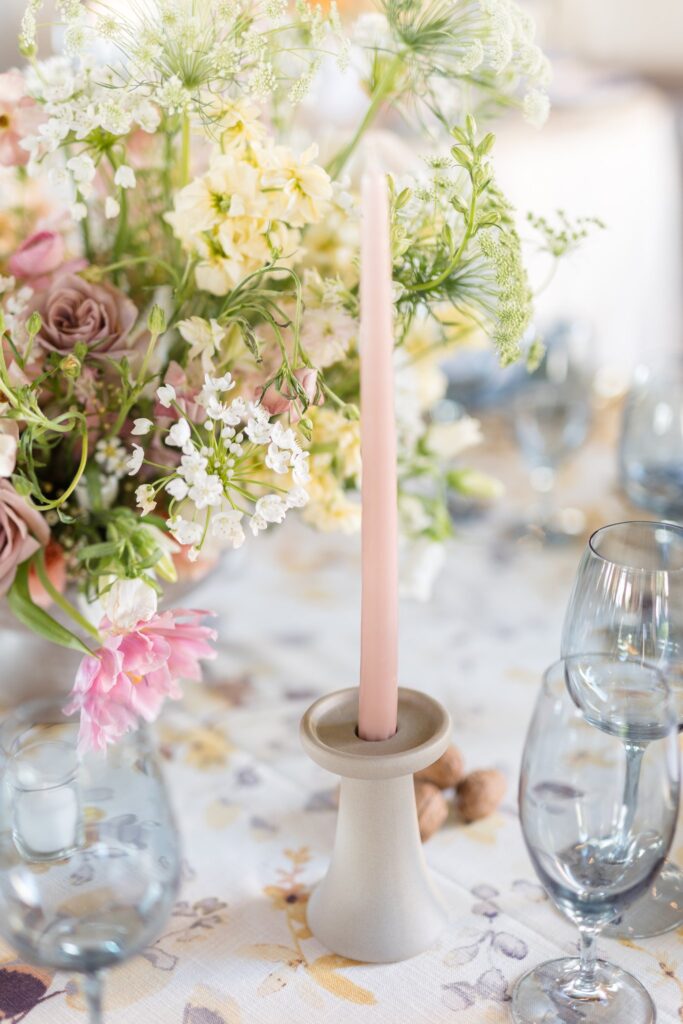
(651, 439)
(594, 853)
(551, 418)
(627, 601)
(90, 863)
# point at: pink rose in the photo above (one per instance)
(276, 402)
(39, 257)
(74, 310)
(22, 531)
(19, 117)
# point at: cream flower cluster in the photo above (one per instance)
(248, 209)
(226, 468)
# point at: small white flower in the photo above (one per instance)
(185, 531)
(297, 497)
(207, 491)
(112, 208)
(258, 428)
(141, 427)
(536, 107)
(82, 167)
(166, 395)
(79, 211)
(271, 507)
(301, 473)
(111, 455)
(144, 496)
(226, 526)
(284, 437)
(125, 177)
(276, 459)
(193, 466)
(177, 488)
(135, 460)
(204, 337)
(179, 434)
(257, 523)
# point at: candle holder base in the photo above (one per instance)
(377, 902)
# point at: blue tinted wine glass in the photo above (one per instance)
(593, 852)
(627, 601)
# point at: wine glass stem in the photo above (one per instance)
(92, 987)
(634, 757)
(585, 983)
(545, 509)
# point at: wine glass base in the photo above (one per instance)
(549, 993)
(658, 910)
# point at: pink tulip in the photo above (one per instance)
(37, 257)
(134, 671)
(277, 402)
(55, 567)
(19, 117)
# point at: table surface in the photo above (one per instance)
(258, 818)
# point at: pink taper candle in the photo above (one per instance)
(378, 696)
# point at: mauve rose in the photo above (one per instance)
(74, 310)
(22, 532)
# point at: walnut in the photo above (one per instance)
(480, 793)
(446, 772)
(432, 808)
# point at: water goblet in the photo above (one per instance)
(593, 852)
(651, 440)
(627, 601)
(89, 852)
(551, 416)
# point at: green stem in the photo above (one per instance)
(381, 92)
(74, 483)
(185, 151)
(60, 600)
(426, 286)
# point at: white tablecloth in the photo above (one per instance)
(258, 818)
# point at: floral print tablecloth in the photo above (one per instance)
(258, 818)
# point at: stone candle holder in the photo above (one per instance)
(377, 902)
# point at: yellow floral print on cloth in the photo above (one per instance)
(291, 897)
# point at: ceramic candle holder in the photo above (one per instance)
(377, 902)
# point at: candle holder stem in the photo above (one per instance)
(377, 902)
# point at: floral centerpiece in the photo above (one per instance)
(179, 299)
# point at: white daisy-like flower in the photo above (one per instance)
(111, 455)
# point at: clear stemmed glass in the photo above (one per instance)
(89, 852)
(627, 601)
(651, 441)
(593, 853)
(551, 419)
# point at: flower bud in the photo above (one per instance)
(34, 323)
(70, 366)
(156, 321)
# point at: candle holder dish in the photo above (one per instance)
(377, 903)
